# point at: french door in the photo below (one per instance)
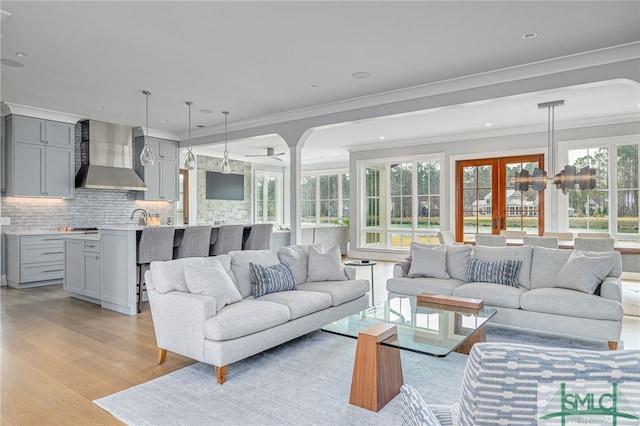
(487, 201)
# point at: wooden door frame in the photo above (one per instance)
(498, 184)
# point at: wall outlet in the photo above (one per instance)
(4, 221)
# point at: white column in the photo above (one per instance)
(295, 193)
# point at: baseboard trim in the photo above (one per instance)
(3, 280)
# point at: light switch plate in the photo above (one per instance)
(4, 221)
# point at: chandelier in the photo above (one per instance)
(568, 178)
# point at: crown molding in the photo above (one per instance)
(8, 108)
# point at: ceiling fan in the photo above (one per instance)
(270, 153)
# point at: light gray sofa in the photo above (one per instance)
(221, 331)
(535, 302)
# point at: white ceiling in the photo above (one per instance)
(259, 59)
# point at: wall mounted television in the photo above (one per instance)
(225, 187)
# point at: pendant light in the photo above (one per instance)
(146, 156)
(567, 179)
(225, 167)
(190, 159)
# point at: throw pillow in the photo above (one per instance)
(207, 276)
(458, 261)
(584, 273)
(429, 262)
(298, 259)
(271, 279)
(325, 266)
(497, 271)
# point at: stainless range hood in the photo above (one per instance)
(107, 158)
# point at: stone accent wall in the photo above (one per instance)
(231, 211)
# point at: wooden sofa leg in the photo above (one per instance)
(613, 346)
(162, 355)
(221, 373)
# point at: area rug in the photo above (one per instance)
(304, 382)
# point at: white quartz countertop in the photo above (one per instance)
(45, 232)
(76, 236)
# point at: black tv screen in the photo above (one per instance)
(225, 187)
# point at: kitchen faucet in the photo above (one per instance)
(145, 214)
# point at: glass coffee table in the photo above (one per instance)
(435, 329)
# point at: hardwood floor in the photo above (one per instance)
(58, 354)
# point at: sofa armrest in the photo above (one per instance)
(401, 269)
(350, 272)
(611, 288)
(178, 320)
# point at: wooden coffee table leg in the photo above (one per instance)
(478, 336)
(377, 370)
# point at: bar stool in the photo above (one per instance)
(229, 239)
(259, 237)
(155, 244)
(195, 242)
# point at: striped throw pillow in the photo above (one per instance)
(497, 271)
(271, 279)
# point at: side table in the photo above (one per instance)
(370, 263)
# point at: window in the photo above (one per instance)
(612, 206)
(401, 203)
(325, 198)
(268, 197)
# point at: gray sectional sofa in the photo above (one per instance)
(204, 308)
(562, 291)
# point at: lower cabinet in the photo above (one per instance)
(82, 269)
(34, 260)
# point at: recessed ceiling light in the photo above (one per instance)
(488, 124)
(529, 35)
(313, 86)
(165, 121)
(206, 111)
(22, 55)
(335, 153)
(11, 63)
(100, 107)
(361, 75)
(124, 117)
(381, 137)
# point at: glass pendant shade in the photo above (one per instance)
(225, 166)
(190, 159)
(146, 156)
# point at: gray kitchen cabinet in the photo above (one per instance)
(161, 178)
(118, 270)
(40, 157)
(34, 260)
(82, 269)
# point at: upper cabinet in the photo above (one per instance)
(162, 177)
(40, 157)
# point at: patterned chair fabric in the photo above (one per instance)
(513, 384)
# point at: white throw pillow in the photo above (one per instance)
(207, 276)
(298, 259)
(584, 273)
(429, 262)
(325, 266)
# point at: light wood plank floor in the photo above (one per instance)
(58, 353)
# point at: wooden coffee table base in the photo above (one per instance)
(478, 336)
(377, 370)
